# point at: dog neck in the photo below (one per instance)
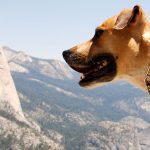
(137, 78)
(146, 39)
(140, 76)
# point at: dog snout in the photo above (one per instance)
(71, 57)
(66, 54)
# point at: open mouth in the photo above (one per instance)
(100, 69)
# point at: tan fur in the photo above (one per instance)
(129, 42)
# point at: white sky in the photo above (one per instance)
(44, 28)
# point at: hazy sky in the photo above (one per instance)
(44, 28)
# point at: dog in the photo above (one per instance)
(119, 49)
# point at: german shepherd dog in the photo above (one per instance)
(120, 49)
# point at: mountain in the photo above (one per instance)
(16, 136)
(17, 132)
(124, 135)
(23, 63)
(51, 97)
(9, 100)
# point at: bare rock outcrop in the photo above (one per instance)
(9, 100)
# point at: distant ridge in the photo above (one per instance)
(49, 67)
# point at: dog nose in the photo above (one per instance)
(66, 54)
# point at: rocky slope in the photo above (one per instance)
(16, 136)
(16, 132)
(125, 135)
(9, 100)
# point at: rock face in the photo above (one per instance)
(123, 135)
(9, 100)
(14, 136)
(16, 132)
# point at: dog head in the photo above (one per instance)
(112, 52)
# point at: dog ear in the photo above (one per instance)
(128, 17)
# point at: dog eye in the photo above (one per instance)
(98, 33)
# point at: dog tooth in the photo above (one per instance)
(104, 63)
(82, 76)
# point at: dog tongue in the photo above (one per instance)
(89, 68)
(81, 69)
(97, 64)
